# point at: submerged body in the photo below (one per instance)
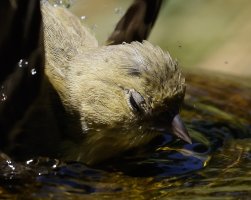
(123, 87)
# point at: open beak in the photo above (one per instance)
(179, 129)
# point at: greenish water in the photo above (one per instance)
(217, 165)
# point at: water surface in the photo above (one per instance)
(217, 165)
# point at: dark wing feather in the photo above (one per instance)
(137, 22)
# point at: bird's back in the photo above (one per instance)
(65, 37)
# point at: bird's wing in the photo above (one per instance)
(137, 22)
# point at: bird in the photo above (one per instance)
(120, 96)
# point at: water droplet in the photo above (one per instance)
(94, 27)
(119, 11)
(62, 3)
(33, 71)
(83, 17)
(29, 161)
(3, 96)
(10, 164)
(23, 63)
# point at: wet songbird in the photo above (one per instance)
(121, 95)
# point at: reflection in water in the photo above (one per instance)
(216, 166)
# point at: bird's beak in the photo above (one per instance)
(179, 129)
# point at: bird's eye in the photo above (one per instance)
(136, 101)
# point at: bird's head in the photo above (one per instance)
(128, 86)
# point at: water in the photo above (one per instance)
(217, 165)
